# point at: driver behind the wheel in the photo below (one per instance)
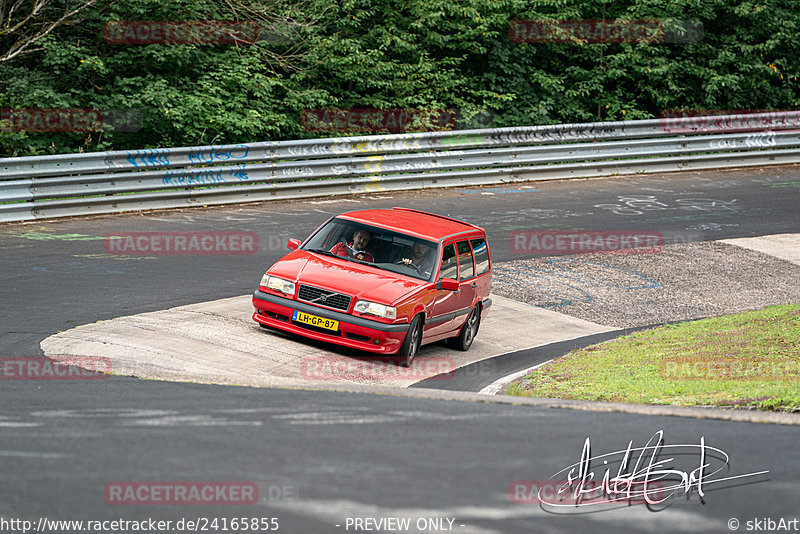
(421, 258)
(358, 247)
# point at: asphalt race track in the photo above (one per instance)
(324, 459)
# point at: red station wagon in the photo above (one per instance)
(383, 280)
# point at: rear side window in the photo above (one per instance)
(481, 252)
(465, 260)
(449, 265)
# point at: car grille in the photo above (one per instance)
(323, 297)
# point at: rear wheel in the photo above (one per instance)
(464, 339)
(411, 343)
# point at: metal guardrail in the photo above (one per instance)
(106, 182)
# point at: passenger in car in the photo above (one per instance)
(357, 247)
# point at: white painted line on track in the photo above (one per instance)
(495, 387)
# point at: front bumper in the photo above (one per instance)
(354, 332)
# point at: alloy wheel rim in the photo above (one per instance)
(415, 342)
(473, 320)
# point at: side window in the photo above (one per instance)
(481, 252)
(465, 260)
(449, 265)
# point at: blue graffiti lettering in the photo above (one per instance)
(203, 178)
(149, 157)
(211, 154)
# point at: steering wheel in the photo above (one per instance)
(399, 261)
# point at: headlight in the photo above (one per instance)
(278, 284)
(373, 308)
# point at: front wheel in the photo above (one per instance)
(411, 343)
(468, 332)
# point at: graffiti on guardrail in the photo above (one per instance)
(682, 121)
(757, 140)
(184, 177)
(754, 140)
(159, 157)
(391, 153)
(150, 157)
(558, 133)
(211, 154)
(760, 139)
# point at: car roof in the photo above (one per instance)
(413, 222)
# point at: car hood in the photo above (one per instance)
(344, 276)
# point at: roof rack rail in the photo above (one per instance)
(434, 215)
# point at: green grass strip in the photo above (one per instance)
(749, 359)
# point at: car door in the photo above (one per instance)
(483, 266)
(446, 302)
(467, 282)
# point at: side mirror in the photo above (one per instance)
(293, 244)
(448, 284)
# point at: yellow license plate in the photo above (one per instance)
(313, 320)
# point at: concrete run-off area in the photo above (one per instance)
(218, 342)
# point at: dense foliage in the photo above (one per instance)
(388, 54)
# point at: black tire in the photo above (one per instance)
(411, 343)
(464, 339)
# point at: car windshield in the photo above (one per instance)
(378, 247)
